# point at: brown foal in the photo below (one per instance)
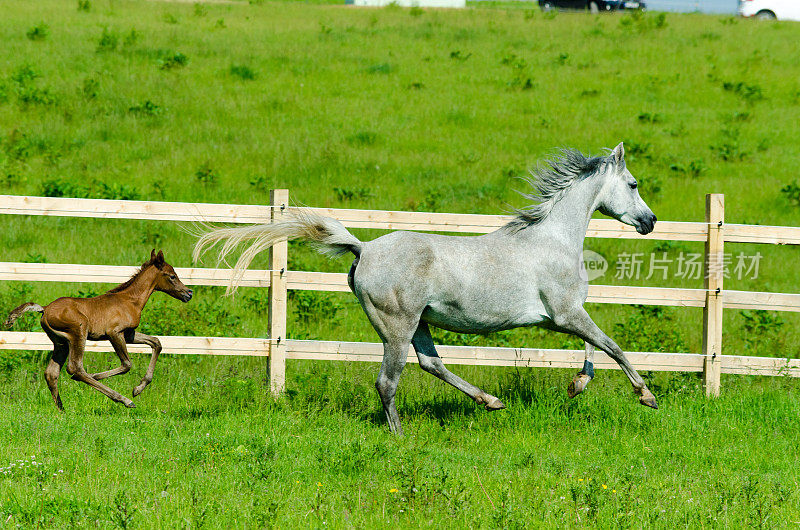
(113, 316)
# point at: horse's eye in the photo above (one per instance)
(633, 185)
(173, 277)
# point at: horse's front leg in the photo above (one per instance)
(578, 322)
(118, 342)
(77, 345)
(155, 344)
(586, 374)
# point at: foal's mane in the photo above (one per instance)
(550, 182)
(130, 281)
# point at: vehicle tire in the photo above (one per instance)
(594, 8)
(765, 14)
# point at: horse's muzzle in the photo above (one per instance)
(187, 295)
(646, 224)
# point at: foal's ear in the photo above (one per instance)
(152, 255)
(159, 259)
(618, 153)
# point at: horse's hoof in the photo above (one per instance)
(578, 385)
(130, 404)
(137, 391)
(493, 403)
(648, 399)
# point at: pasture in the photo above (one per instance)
(390, 109)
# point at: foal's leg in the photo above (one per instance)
(118, 342)
(581, 324)
(75, 367)
(430, 361)
(155, 344)
(57, 360)
(51, 373)
(586, 374)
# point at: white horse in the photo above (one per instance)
(527, 273)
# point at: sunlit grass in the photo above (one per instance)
(206, 445)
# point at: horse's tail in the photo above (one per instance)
(24, 308)
(327, 235)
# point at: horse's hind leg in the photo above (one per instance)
(586, 374)
(51, 373)
(395, 329)
(155, 344)
(57, 360)
(395, 353)
(430, 361)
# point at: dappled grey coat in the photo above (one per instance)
(526, 273)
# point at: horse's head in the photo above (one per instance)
(166, 280)
(619, 197)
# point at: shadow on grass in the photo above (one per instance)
(442, 409)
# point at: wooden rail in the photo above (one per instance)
(380, 219)
(337, 282)
(464, 355)
(713, 298)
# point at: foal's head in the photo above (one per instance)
(619, 197)
(166, 280)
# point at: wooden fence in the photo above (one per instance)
(713, 298)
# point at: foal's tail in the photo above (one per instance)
(327, 235)
(24, 308)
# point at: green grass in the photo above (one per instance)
(430, 110)
(206, 447)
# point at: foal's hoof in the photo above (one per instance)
(137, 390)
(578, 384)
(648, 399)
(130, 404)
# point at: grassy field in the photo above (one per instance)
(206, 448)
(403, 109)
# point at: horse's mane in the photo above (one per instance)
(130, 281)
(550, 182)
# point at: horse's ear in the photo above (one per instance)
(618, 153)
(159, 260)
(152, 255)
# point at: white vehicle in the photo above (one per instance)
(770, 9)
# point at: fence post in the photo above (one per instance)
(712, 312)
(278, 261)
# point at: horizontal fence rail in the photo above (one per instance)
(379, 219)
(712, 299)
(144, 210)
(336, 281)
(21, 340)
(773, 235)
(457, 355)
